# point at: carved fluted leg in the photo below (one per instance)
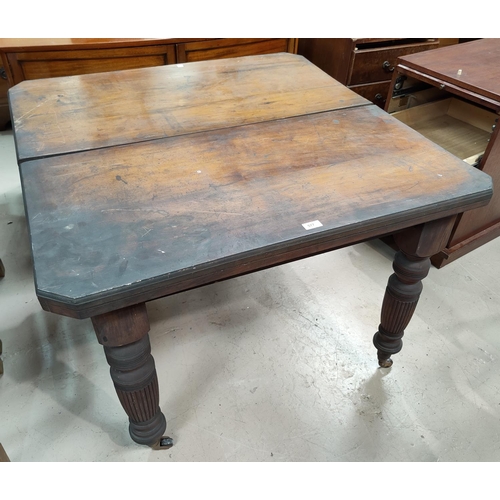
(124, 335)
(134, 377)
(411, 266)
(400, 301)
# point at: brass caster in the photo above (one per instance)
(385, 363)
(164, 443)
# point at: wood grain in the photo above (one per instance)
(469, 73)
(63, 115)
(131, 218)
(445, 63)
(230, 47)
(144, 183)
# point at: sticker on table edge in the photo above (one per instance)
(312, 225)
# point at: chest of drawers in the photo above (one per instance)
(365, 65)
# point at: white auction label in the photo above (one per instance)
(312, 225)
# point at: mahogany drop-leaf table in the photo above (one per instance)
(143, 183)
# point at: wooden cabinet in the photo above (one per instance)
(33, 58)
(365, 65)
(31, 65)
(452, 96)
(232, 47)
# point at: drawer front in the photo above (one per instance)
(376, 65)
(374, 92)
(232, 47)
(34, 65)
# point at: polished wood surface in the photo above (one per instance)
(35, 65)
(34, 58)
(114, 225)
(232, 47)
(14, 44)
(365, 65)
(446, 63)
(94, 111)
(469, 71)
(265, 169)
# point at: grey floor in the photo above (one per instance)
(275, 366)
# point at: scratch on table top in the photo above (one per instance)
(215, 212)
(161, 212)
(18, 120)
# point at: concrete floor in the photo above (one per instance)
(274, 366)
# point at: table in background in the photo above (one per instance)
(452, 96)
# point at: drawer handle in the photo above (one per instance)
(379, 97)
(386, 66)
(3, 74)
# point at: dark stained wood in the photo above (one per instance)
(4, 104)
(29, 58)
(122, 326)
(480, 219)
(225, 178)
(465, 246)
(478, 61)
(478, 83)
(3, 455)
(42, 44)
(358, 62)
(231, 47)
(94, 111)
(374, 92)
(132, 217)
(377, 64)
(34, 58)
(445, 86)
(411, 266)
(34, 65)
(124, 335)
(332, 55)
(134, 376)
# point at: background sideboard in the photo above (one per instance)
(32, 58)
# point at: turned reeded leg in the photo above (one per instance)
(411, 266)
(400, 301)
(134, 377)
(124, 335)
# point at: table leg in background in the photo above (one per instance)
(411, 265)
(125, 336)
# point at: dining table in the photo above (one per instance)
(143, 183)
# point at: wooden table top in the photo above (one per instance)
(122, 107)
(478, 61)
(143, 183)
